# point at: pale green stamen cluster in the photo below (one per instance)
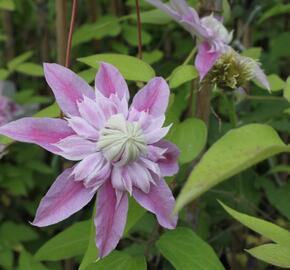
(232, 71)
(121, 142)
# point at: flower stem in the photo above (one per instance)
(139, 25)
(71, 29)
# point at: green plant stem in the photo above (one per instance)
(190, 56)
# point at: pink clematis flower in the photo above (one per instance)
(119, 150)
(213, 38)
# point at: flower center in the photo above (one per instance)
(121, 142)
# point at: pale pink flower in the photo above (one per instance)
(119, 150)
(212, 36)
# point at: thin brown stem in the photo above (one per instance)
(60, 6)
(71, 29)
(139, 25)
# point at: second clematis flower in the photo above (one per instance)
(119, 150)
(212, 36)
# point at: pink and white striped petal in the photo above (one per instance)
(83, 128)
(152, 98)
(110, 218)
(160, 201)
(75, 147)
(109, 81)
(68, 87)
(45, 132)
(64, 198)
(205, 59)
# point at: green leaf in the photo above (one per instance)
(152, 57)
(131, 67)
(7, 5)
(50, 111)
(4, 73)
(181, 75)
(278, 196)
(105, 26)
(186, 251)
(236, 151)
(6, 258)
(265, 228)
(190, 136)
(88, 75)
(31, 69)
(273, 254)
(15, 62)
(26, 262)
(276, 83)
(287, 90)
(69, 243)
(130, 34)
(278, 9)
(11, 234)
(118, 260)
(254, 53)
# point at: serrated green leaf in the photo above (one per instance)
(236, 151)
(131, 67)
(273, 254)
(181, 75)
(265, 228)
(68, 243)
(186, 251)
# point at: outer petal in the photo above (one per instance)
(42, 131)
(153, 98)
(159, 201)
(64, 198)
(76, 148)
(168, 165)
(205, 59)
(110, 81)
(67, 87)
(261, 77)
(110, 218)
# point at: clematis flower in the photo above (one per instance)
(212, 36)
(119, 150)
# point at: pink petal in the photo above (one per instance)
(75, 147)
(156, 135)
(169, 164)
(64, 198)
(205, 59)
(67, 87)
(110, 219)
(83, 128)
(92, 112)
(42, 131)
(160, 202)
(261, 77)
(109, 81)
(85, 167)
(153, 98)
